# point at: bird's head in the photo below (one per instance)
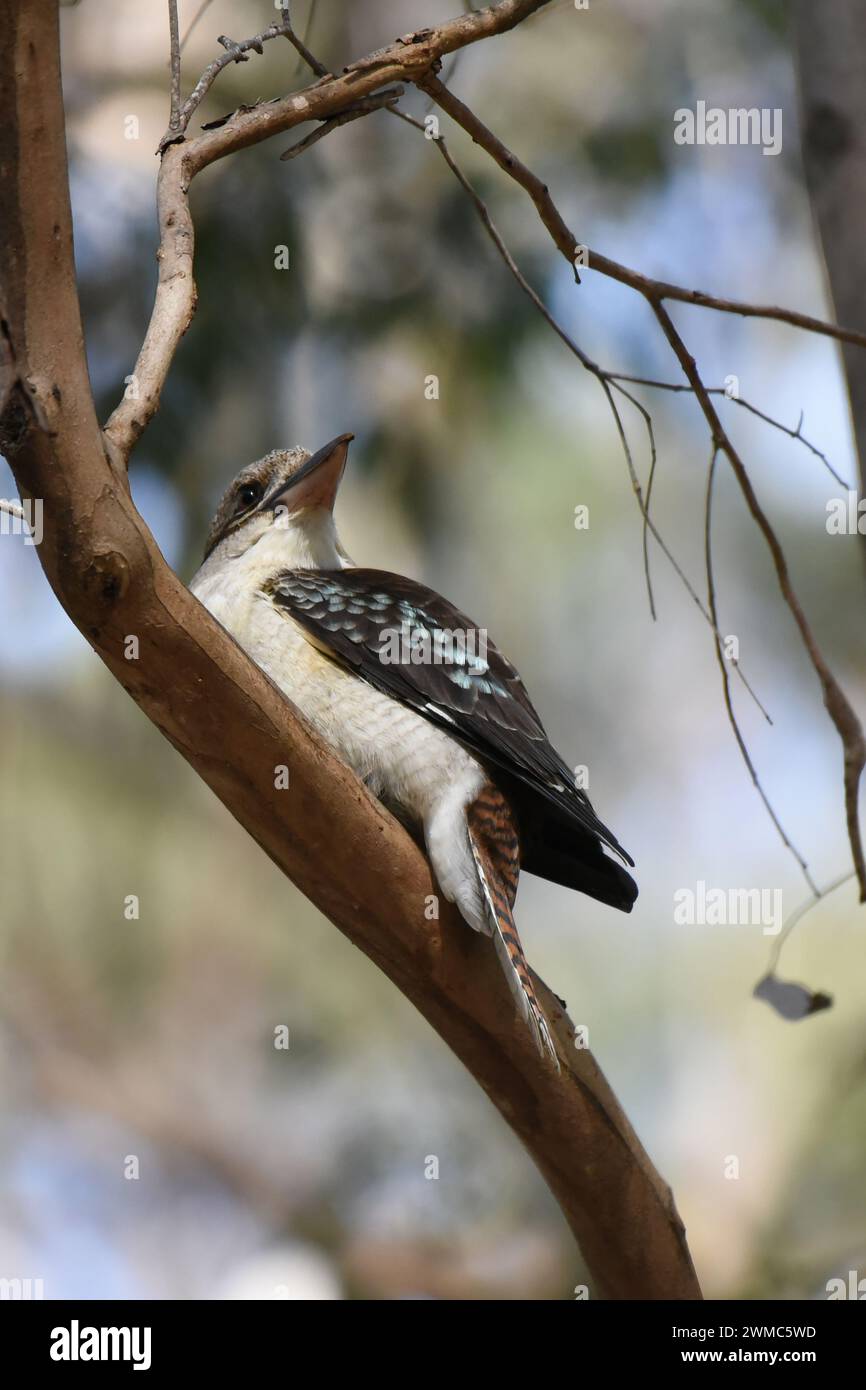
(289, 491)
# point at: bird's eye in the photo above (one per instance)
(248, 494)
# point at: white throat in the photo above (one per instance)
(306, 541)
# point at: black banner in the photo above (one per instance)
(154, 1339)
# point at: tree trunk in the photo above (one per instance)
(830, 40)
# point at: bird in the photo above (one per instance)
(414, 697)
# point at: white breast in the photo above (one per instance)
(409, 763)
(404, 759)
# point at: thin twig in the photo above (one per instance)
(649, 492)
(194, 21)
(448, 77)
(726, 680)
(174, 118)
(351, 113)
(300, 45)
(615, 379)
(709, 616)
(235, 53)
(799, 913)
(797, 434)
(648, 423)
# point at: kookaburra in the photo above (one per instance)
(411, 695)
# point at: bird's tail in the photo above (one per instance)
(496, 851)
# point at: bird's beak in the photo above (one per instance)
(315, 483)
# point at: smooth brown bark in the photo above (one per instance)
(234, 728)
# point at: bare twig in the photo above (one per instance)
(360, 108)
(300, 45)
(649, 492)
(235, 53)
(799, 913)
(205, 5)
(174, 118)
(726, 680)
(683, 387)
(616, 379)
(709, 615)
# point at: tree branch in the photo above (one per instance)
(235, 53)
(182, 160)
(234, 727)
(836, 702)
(568, 244)
(655, 292)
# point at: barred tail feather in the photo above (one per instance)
(495, 849)
(513, 962)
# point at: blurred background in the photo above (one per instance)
(153, 1140)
